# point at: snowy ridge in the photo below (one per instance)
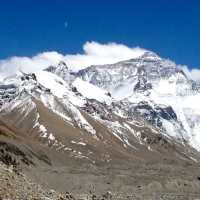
(146, 93)
(53, 92)
(91, 91)
(151, 84)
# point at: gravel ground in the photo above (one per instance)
(16, 186)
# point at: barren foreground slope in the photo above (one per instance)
(168, 174)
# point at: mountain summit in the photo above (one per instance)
(155, 83)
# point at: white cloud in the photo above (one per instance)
(94, 53)
(195, 73)
(26, 64)
(192, 73)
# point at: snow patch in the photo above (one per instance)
(91, 91)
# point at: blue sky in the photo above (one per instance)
(171, 28)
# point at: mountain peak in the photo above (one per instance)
(61, 70)
(62, 65)
(150, 55)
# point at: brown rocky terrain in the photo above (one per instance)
(51, 149)
(34, 169)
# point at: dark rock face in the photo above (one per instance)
(7, 87)
(154, 115)
(62, 64)
(167, 113)
(7, 93)
(51, 69)
(142, 85)
(100, 109)
(12, 155)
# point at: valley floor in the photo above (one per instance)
(106, 182)
(131, 181)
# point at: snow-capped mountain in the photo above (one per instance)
(157, 90)
(142, 108)
(136, 74)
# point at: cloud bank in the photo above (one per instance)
(94, 53)
(192, 73)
